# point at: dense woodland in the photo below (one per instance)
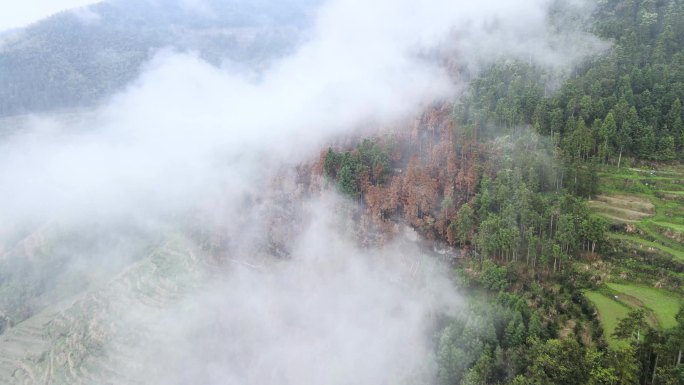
(504, 175)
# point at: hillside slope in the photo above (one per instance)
(77, 58)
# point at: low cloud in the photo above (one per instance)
(333, 313)
(184, 123)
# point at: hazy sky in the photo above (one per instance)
(14, 14)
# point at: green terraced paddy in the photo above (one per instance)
(664, 304)
(652, 233)
(610, 313)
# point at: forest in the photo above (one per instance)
(565, 201)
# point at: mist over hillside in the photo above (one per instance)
(185, 229)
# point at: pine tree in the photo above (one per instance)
(632, 326)
(464, 223)
(607, 132)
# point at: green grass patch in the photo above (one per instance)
(664, 304)
(610, 313)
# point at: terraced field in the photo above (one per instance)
(623, 208)
(640, 243)
(88, 339)
(646, 210)
(649, 201)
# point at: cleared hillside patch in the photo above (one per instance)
(622, 208)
